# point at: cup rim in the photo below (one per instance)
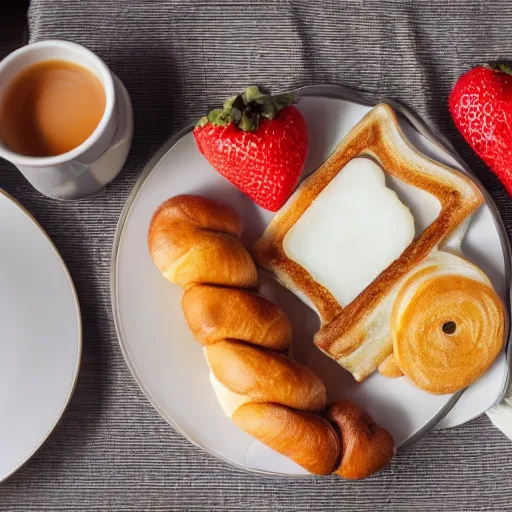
(108, 85)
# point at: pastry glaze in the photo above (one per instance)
(448, 325)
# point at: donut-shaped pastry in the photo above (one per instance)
(448, 324)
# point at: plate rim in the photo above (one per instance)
(76, 371)
(339, 92)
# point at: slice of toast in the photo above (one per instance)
(357, 334)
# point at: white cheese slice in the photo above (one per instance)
(228, 400)
(354, 229)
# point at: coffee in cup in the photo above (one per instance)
(66, 120)
(50, 108)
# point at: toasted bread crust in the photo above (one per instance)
(377, 136)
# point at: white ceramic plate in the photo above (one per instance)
(168, 363)
(40, 336)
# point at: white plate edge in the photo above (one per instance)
(79, 334)
(323, 90)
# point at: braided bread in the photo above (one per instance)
(195, 243)
(366, 446)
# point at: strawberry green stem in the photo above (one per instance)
(247, 109)
(506, 68)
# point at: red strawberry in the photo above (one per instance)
(481, 106)
(258, 142)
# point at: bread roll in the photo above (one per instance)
(209, 311)
(448, 325)
(366, 447)
(266, 376)
(195, 243)
(306, 438)
(195, 240)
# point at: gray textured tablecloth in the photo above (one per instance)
(112, 451)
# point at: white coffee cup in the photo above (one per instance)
(86, 169)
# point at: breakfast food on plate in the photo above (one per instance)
(355, 216)
(345, 243)
(360, 432)
(481, 107)
(389, 367)
(209, 314)
(195, 243)
(180, 224)
(448, 324)
(258, 142)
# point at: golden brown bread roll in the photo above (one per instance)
(366, 447)
(266, 376)
(209, 314)
(285, 429)
(448, 324)
(194, 242)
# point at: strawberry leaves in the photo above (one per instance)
(247, 109)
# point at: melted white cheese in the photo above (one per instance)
(352, 231)
(228, 400)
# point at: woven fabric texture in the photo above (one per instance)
(111, 450)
